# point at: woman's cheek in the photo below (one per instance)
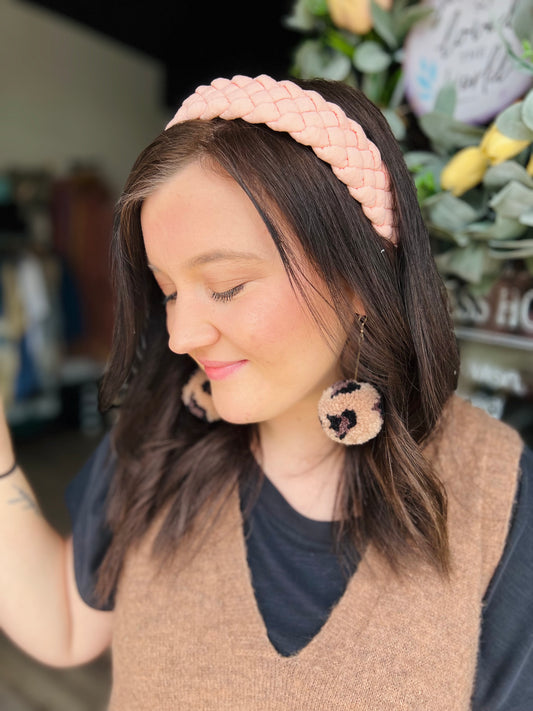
(271, 322)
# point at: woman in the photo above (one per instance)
(293, 511)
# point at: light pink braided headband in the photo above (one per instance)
(310, 120)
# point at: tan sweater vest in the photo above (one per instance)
(193, 637)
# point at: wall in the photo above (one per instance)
(68, 93)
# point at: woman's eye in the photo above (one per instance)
(168, 297)
(226, 295)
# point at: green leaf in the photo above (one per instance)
(449, 213)
(526, 218)
(447, 133)
(426, 186)
(383, 25)
(408, 18)
(527, 111)
(341, 41)
(502, 228)
(300, 19)
(317, 7)
(314, 60)
(510, 253)
(512, 200)
(511, 124)
(497, 176)
(370, 58)
(468, 263)
(423, 160)
(396, 89)
(522, 20)
(373, 86)
(446, 100)
(396, 124)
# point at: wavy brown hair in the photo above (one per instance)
(168, 460)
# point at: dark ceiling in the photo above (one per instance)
(196, 41)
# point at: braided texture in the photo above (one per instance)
(310, 120)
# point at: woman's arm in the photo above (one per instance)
(40, 607)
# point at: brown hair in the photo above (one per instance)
(167, 459)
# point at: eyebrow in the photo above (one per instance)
(219, 255)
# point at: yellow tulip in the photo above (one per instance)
(354, 15)
(465, 170)
(529, 166)
(498, 147)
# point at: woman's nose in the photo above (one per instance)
(189, 328)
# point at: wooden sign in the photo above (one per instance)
(506, 310)
(461, 43)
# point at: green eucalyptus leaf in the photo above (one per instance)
(527, 110)
(446, 100)
(418, 159)
(447, 133)
(483, 230)
(373, 86)
(526, 218)
(512, 200)
(408, 18)
(383, 24)
(449, 213)
(497, 176)
(501, 228)
(300, 19)
(514, 244)
(511, 253)
(396, 124)
(315, 60)
(370, 58)
(522, 20)
(398, 93)
(469, 263)
(511, 124)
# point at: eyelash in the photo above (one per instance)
(223, 296)
(227, 295)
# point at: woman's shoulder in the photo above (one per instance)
(468, 437)
(463, 417)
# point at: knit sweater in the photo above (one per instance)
(190, 635)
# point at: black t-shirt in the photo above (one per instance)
(297, 577)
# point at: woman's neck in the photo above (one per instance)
(302, 462)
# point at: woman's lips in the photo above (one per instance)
(218, 370)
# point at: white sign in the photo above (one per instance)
(460, 43)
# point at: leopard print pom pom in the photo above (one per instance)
(196, 395)
(350, 412)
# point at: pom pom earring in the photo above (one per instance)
(196, 396)
(350, 412)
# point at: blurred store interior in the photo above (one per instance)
(83, 88)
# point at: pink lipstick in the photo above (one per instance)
(218, 369)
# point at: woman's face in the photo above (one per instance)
(229, 302)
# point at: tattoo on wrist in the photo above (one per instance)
(25, 499)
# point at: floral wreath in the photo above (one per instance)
(474, 183)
